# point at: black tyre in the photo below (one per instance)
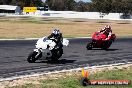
(106, 45)
(54, 57)
(56, 54)
(31, 58)
(89, 46)
(84, 81)
(59, 53)
(109, 43)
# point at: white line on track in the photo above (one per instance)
(62, 71)
(38, 38)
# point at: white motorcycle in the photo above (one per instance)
(46, 49)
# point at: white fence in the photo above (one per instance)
(85, 15)
(73, 14)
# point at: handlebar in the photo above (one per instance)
(53, 39)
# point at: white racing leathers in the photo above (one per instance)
(46, 49)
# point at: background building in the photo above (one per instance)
(10, 9)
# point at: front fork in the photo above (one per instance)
(94, 43)
(39, 51)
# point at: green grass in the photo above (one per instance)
(74, 81)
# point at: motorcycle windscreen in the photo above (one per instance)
(41, 44)
(44, 42)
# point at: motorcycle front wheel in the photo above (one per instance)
(31, 58)
(89, 46)
(106, 45)
(56, 54)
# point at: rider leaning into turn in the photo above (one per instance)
(107, 31)
(57, 36)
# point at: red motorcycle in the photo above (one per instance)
(98, 41)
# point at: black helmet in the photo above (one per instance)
(56, 31)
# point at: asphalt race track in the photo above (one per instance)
(13, 55)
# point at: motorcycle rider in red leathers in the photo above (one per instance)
(107, 31)
(102, 39)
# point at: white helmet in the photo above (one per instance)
(56, 31)
(107, 27)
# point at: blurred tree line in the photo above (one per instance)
(104, 6)
(64, 5)
(22, 3)
(115, 6)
